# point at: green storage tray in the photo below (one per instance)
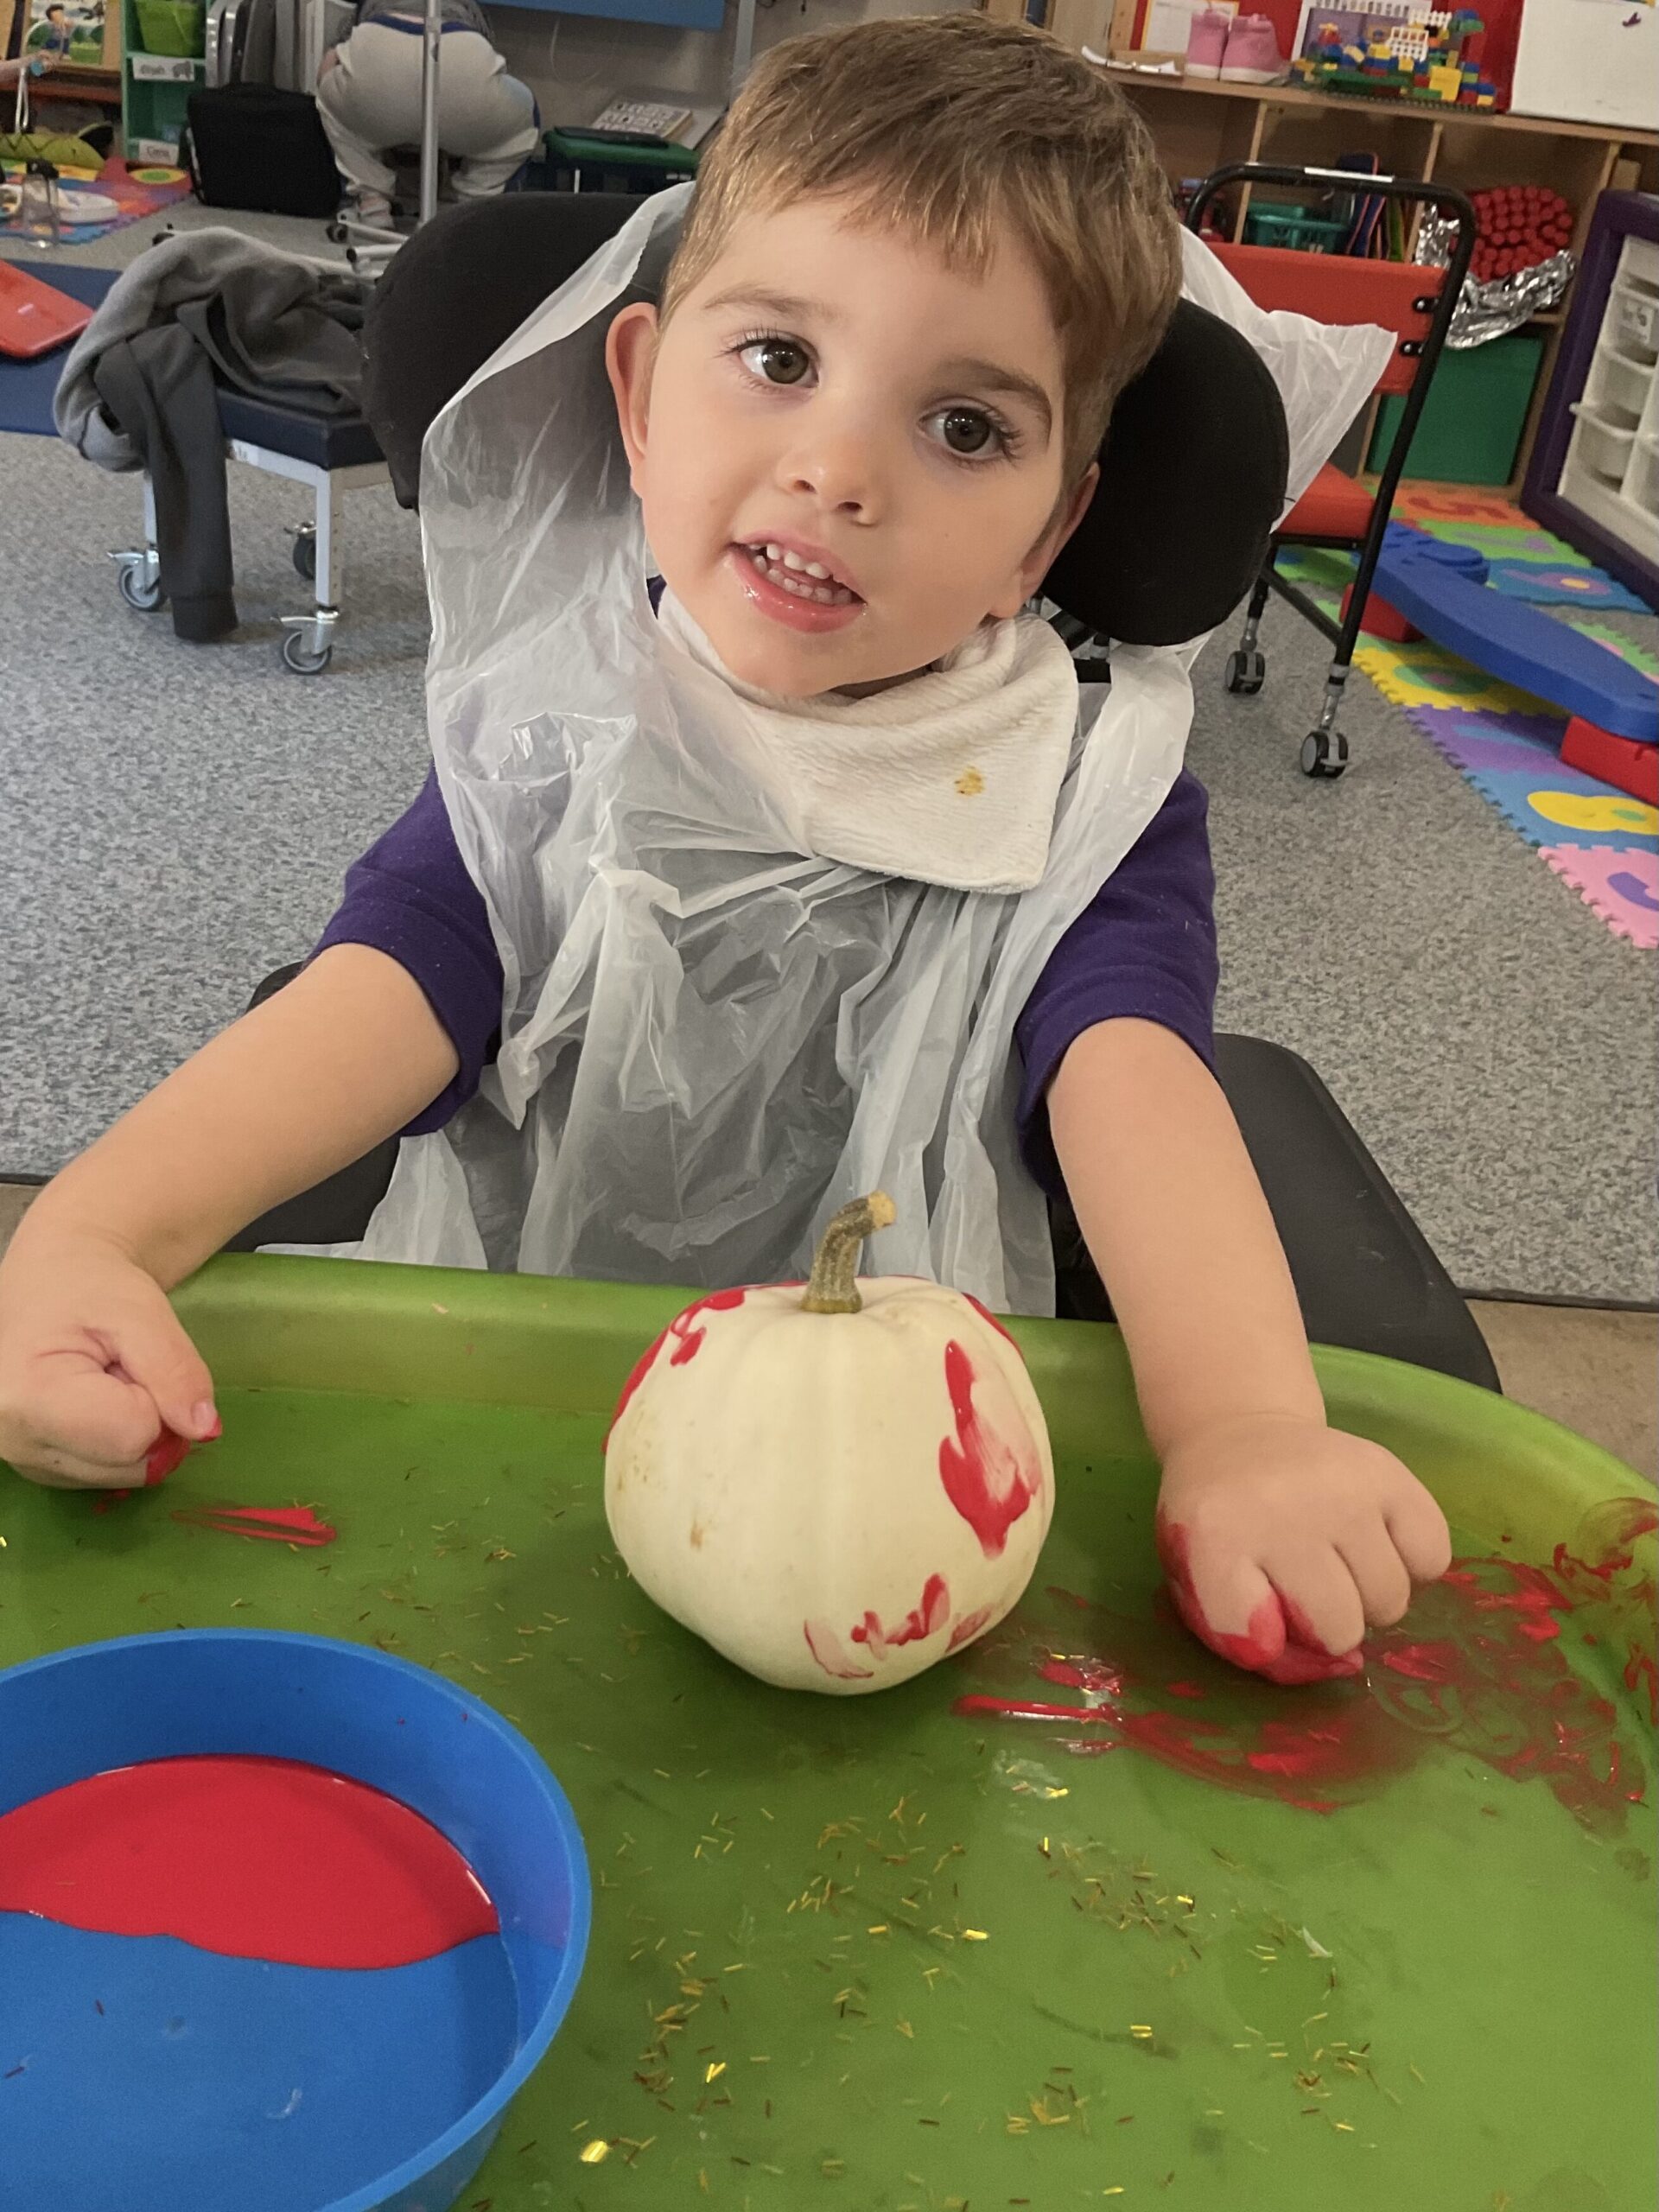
(1301, 229)
(1469, 429)
(878, 1954)
(171, 27)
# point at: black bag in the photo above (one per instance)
(258, 147)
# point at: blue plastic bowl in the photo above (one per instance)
(358, 1712)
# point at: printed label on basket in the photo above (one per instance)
(164, 68)
(161, 152)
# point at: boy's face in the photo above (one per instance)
(849, 455)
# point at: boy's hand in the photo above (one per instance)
(99, 1386)
(1283, 1539)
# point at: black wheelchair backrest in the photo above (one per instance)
(1191, 469)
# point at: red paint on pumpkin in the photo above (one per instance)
(923, 1620)
(252, 1858)
(688, 1342)
(983, 1474)
(827, 1648)
(276, 1524)
(967, 1628)
(985, 1314)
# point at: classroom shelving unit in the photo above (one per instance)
(1200, 125)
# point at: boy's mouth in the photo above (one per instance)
(793, 588)
(803, 574)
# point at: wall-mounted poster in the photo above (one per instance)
(78, 34)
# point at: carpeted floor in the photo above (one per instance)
(176, 821)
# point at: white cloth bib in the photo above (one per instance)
(949, 778)
(757, 957)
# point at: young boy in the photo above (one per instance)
(921, 263)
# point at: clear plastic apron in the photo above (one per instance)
(711, 1039)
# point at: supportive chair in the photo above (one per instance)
(1339, 511)
(1193, 477)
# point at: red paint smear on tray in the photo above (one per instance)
(983, 1474)
(1478, 1669)
(252, 1858)
(687, 1340)
(276, 1524)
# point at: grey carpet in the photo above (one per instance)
(174, 821)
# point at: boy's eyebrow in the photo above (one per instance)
(993, 376)
(989, 376)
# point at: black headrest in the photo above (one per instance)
(1192, 473)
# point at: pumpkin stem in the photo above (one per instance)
(834, 1287)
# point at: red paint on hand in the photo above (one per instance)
(253, 1858)
(1279, 1641)
(983, 1474)
(166, 1453)
(277, 1524)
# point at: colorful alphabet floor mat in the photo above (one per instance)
(1597, 838)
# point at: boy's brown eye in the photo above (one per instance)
(777, 360)
(966, 431)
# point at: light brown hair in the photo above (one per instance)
(950, 127)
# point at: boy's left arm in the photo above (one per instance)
(1282, 1537)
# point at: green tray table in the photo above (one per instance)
(891, 1951)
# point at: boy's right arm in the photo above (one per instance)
(93, 1362)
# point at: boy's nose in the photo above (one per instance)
(838, 470)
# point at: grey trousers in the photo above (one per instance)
(370, 102)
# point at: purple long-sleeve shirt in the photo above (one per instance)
(1144, 947)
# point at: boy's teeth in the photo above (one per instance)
(797, 577)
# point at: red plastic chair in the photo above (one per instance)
(1336, 510)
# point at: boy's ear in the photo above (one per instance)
(630, 350)
(1041, 557)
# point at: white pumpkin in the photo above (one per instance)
(837, 1488)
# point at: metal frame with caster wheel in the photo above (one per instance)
(138, 572)
(309, 646)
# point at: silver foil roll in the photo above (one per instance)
(1492, 310)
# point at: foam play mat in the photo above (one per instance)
(1601, 842)
(95, 202)
(1077, 1916)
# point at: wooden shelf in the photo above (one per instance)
(96, 88)
(1427, 112)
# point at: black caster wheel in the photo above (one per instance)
(1325, 753)
(305, 659)
(1245, 672)
(305, 554)
(146, 597)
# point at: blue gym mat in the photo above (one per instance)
(26, 387)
